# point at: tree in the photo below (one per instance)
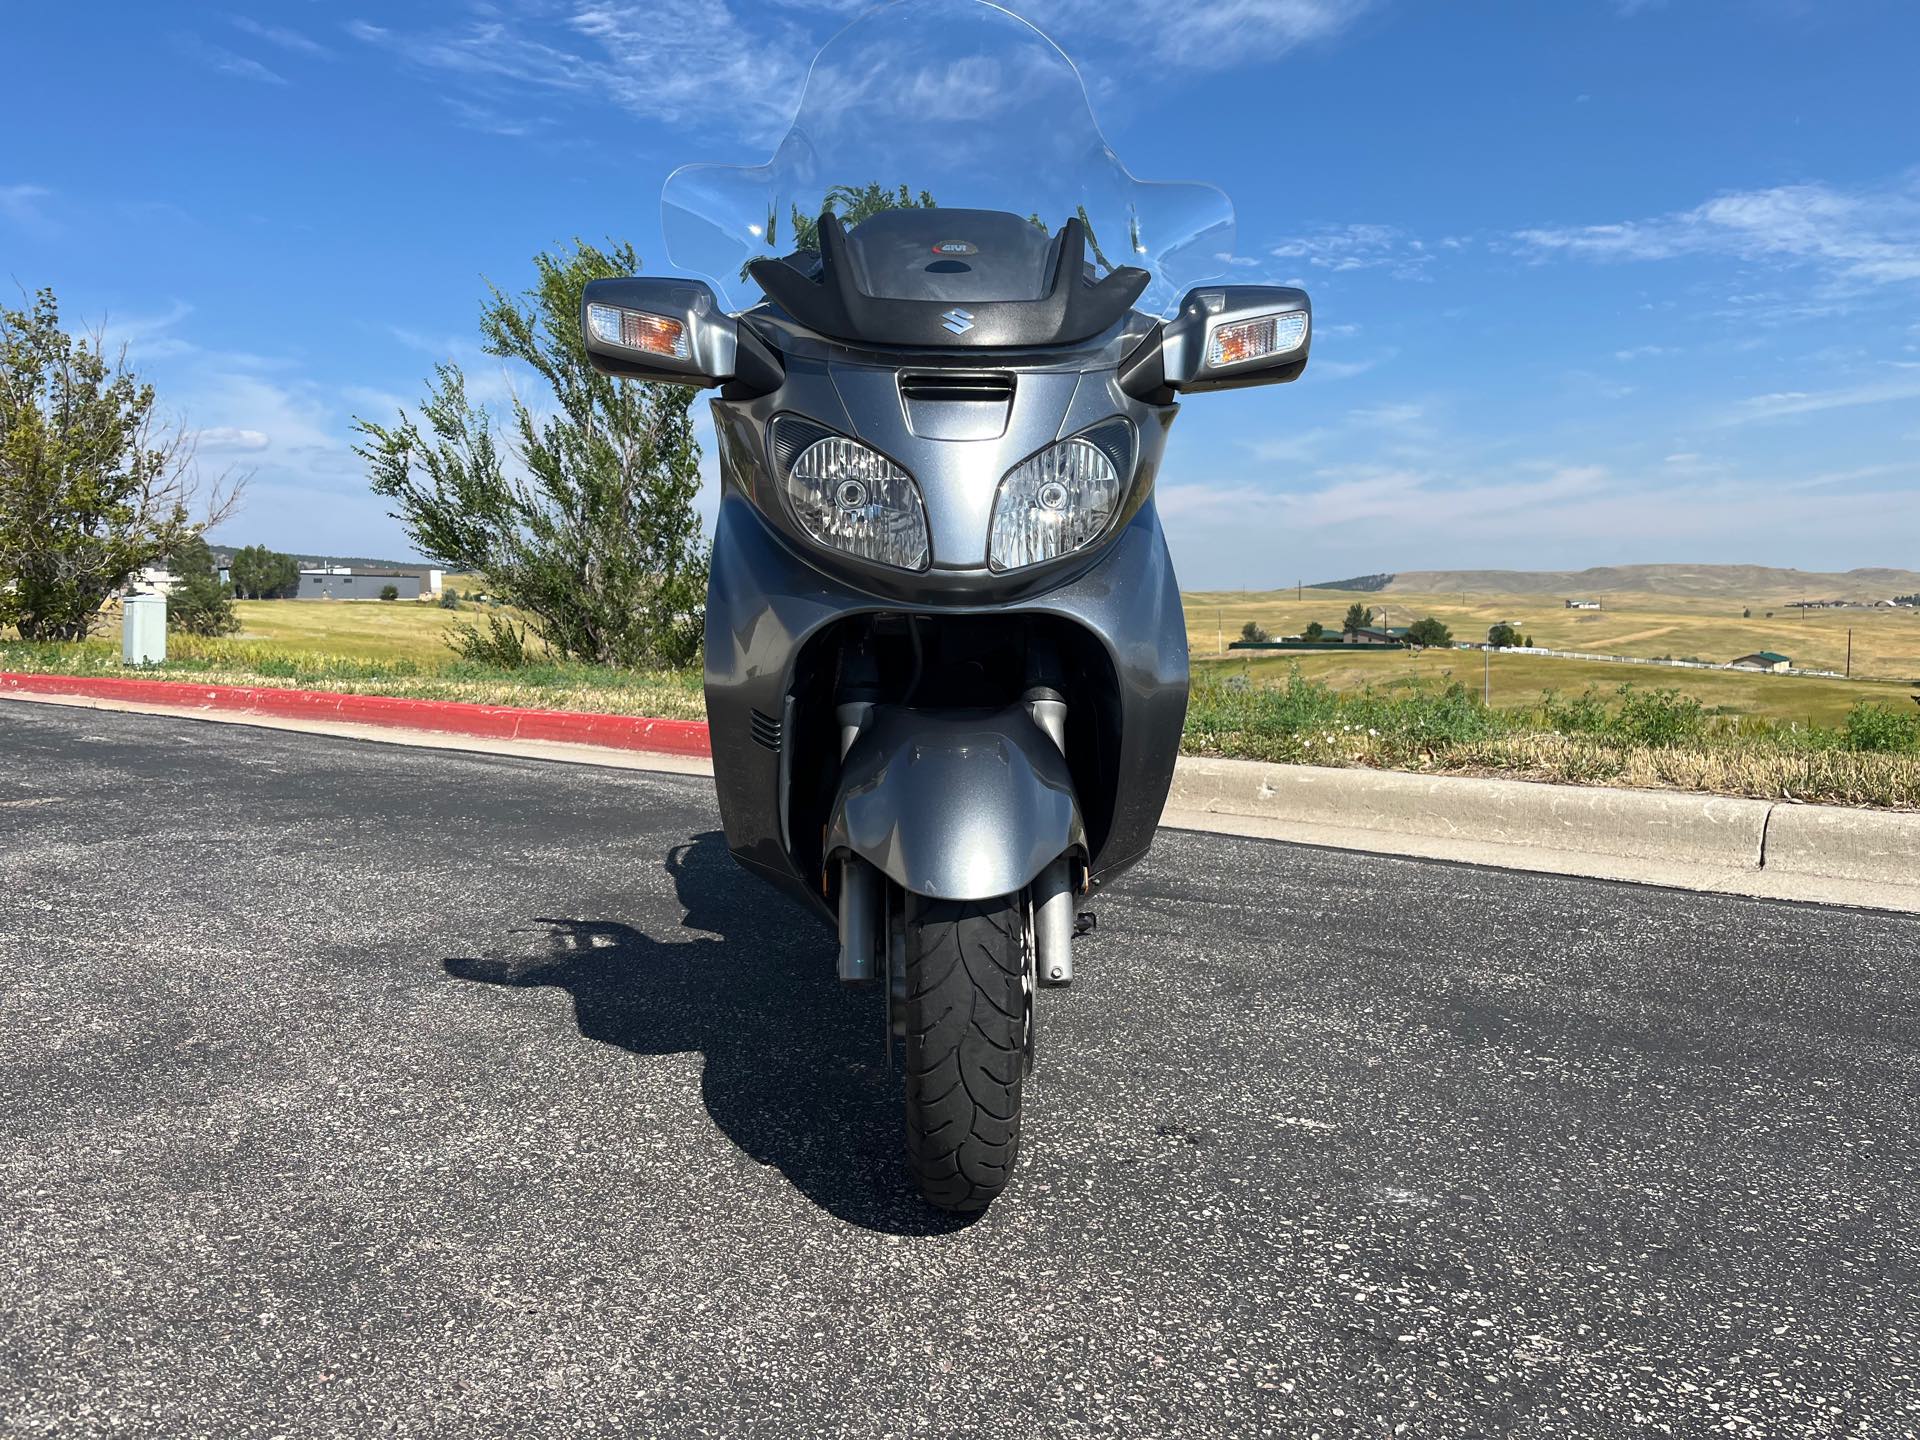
(1314, 631)
(199, 603)
(262, 574)
(1503, 636)
(389, 592)
(1253, 631)
(1429, 632)
(582, 515)
(94, 487)
(449, 599)
(852, 203)
(1359, 617)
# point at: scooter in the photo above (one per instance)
(946, 662)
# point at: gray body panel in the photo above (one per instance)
(956, 806)
(772, 589)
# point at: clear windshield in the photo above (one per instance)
(954, 104)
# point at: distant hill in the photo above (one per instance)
(1732, 582)
(1366, 583)
(223, 555)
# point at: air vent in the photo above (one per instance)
(950, 386)
(766, 730)
(957, 405)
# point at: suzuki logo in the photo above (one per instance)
(957, 320)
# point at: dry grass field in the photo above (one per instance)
(358, 629)
(1886, 646)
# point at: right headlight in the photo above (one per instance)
(853, 499)
(1060, 500)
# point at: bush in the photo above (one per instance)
(1585, 714)
(389, 592)
(503, 644)
(449, 599)
(1252, 630)
(1657, 717)
(1882, 729)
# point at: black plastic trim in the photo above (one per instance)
(835, 306)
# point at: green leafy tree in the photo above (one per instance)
(449, 599)
(1314, 631)
(199, 602)
(262, 574)
(94, 487)
(581, 515)
(1359, 617)
(1253, 631)
(1429, 632)
(852, 203)
(1503, 636)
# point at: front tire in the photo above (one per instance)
(966, 1032)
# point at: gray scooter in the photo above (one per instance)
(946, 664)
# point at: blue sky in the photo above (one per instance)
(1596, 281)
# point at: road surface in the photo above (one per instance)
(350, 1089)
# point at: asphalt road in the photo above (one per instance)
(348, 1089)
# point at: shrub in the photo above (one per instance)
(1253, 630)
(1657, 717)
(503, 644)
(1882, 729)
(449, 599)
(389, 592)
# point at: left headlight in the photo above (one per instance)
(853, 499)
(1060, 500)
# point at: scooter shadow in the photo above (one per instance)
(795, 1074)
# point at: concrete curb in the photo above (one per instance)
(1818, 853)
(491, 722)
(1763, 848)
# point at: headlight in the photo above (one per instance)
(1060, 500)
(850, 498)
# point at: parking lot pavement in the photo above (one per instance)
(350, 1089)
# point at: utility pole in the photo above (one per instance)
(1486, 692)
(1219, 619)
(1849, 652)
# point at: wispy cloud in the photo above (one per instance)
(1786, 403)
(1865, 236)
(280, 35)
(216, 57)
(21, 207)
(1343, 248)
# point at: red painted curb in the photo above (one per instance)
(494, 722)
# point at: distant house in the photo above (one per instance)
(1761, 660)
(342, 582)
(1376, 635)
(1583, 604)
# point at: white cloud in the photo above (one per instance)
(1344, 248)
(1864, 236)
(279, 35)
(1782, 404)
(20, 206)
(218, 58)
(219, 438)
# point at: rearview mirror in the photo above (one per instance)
(673, 330)
(1224, 337)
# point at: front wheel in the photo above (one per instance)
(966, 1035)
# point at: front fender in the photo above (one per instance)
(956, 806)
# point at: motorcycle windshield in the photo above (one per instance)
(950, 105)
